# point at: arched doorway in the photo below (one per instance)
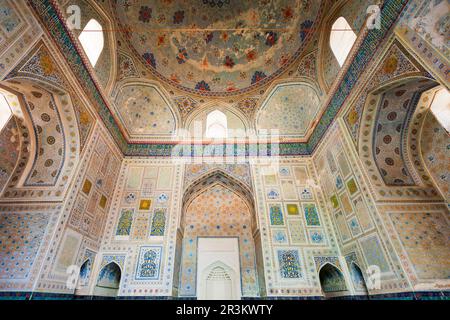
(83, 280)
(332, 281)
(359, 283)
(218, 211)
(108, 281)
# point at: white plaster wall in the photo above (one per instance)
(224, 250)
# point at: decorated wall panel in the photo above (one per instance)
(425, 238)
(83, 215)
(90, 212)
(142, 226)
(18, 32)
(357, 223)
(419, 234)
(25, 235)
(295, 226)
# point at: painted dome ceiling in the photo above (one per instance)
(214, 47)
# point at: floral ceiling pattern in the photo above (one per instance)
(217, 50)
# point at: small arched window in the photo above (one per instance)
(5, 112)
(440, 107)
(216, 125)
(342, 38)
(91, 38)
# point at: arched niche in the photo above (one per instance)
(49, 138)
(219, 282)
(84, 277)
(359, 283)
(217, 205)
(105, 68)
(211, 178)
(85, 272)
(196, 125)
(108, 280)
(428, 140)
(332, 281)
(388, 143)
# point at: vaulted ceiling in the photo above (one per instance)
(267, 62)
(207, 49)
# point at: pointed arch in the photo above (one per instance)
(331, 279)
(342, 39)
(211, 178)
(92, 40)
(359, 282)
(50, 135)
(108, 280)
(218, 205)
(219, 276)
(196, 122)
(390, 120)
(216, 125)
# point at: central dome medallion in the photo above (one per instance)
(217, 50)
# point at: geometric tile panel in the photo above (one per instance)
(426, 240)
(284, 112)
(20, 239)
(374, 253)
